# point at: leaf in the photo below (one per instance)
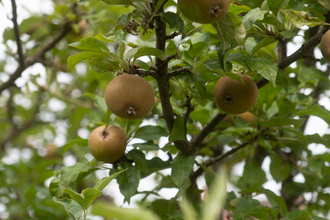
(297, 215)
(72, 208)
(146, 146)
(265, 42)
(301, 18)
(252, 207)
(100, 103)
(253, 174)
(188, 210)
(178, 132)
(275, 5)
(149, 51)
(110, 2)
(196, 49)
(159, 4)
(181, 168)
(76, 197)
(216, 199)
(266, 68)
(226, 30)
(252, 16)
(318, 111)
(275, 200)
(150, 132)
(139, 159)
(70, 174)
(325, 3)
(54, 187)
(129, 181)
(297, 123)
(102, 183)
(173, 20)
(113, 212)
(280, 170)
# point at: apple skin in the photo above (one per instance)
(248, 117)
(234, 97)
(110, 147)
(127, 92)
(325, 45)
(204, 11)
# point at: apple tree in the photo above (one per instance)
(54, 93)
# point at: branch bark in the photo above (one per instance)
(67, 27)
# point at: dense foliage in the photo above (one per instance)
(52, 84)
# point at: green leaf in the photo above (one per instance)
(297, 123)
(265, 42)
(317, 111)
(113, 212)
(154, 165)
(149, 51)
(110, 2)
(100, 103)
(216, 199)
(139, 159)
(196, 49)
(226, 30)
(280, 170)
(129, 181)
(252, 16)
(181, 168)
(54, 187)
(266, 68)
(159, 4)
(317, 166)
(146, 146)
(72, 208)
(90, 44)
(76, 197)
(253, 174)
(301, 18)
(275, 5)
(188, 210)
(71, 174)
(150, 132)
(102, 183)
(297, 215)
(178, 132)
(173, 20)
(251, 207)
(325, 3)
(275, 200)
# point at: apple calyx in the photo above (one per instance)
(104, 134)
(215, 11)
(229, 99)
(131, 111)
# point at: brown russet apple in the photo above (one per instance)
(107, 145)
(129, 96)
(235, 97)
(325, 45)
(204, 11)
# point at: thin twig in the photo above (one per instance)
(178, 71)
(207, 129)
(17, 36)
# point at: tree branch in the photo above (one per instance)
(299, 54)
(67, 27)
(207, 129)
(178, 71)
(17, 36)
